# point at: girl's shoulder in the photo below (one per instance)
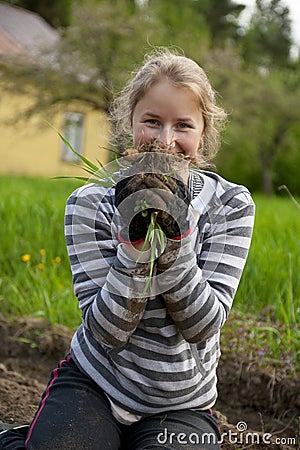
(210, 187)
(90, 199)
(91, 191)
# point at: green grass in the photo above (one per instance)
(32, 216)
(270, 286)
(271, 278)
(32, 221)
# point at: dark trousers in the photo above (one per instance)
(75, 414)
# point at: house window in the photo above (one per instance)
(73, 132)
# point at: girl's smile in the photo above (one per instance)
(171, 116)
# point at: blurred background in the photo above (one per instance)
(61, 61)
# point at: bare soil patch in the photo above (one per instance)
(263, 400)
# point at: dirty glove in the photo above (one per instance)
(136, 217)
(169, 256)
(178, 253)
(173, 219)
(166, 196)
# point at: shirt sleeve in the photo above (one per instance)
(108, 280)
(200, 286)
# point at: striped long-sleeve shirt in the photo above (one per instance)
(155, 354)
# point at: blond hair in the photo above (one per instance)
(181, 72)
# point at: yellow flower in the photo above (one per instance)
(41, 266)
(26, 257)
(57, 259)
(42, 252)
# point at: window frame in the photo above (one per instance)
(73, 132)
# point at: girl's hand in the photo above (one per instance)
(140, 195)
(135, 223)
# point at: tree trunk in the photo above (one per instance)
(267, 184)
(266, 163)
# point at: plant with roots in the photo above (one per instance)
(147, 169)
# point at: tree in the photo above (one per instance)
(105, 41)
(221, 17)
(91, 61)
(267, 41)
(181, 25)
(97, 52)
(211, 21)
(261, 139)
(56, 12)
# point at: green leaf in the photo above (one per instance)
(100, 175)
(70, 146)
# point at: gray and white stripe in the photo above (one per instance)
(152, 354)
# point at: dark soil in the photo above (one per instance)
(263, 400)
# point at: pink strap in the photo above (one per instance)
(185, 234)
(123, 241)
(47, 393)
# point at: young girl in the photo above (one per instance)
(141, 372)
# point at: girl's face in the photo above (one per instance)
(169, 115)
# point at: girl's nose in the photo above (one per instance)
(166, 136)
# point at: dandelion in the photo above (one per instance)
(57, 260)
(26, 257)
(42, 252)
(41, 266)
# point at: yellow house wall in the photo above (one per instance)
(28, 149)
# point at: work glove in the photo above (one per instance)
(139, 196)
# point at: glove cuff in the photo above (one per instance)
(125, 241)
(138, 241)
(182, 236)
